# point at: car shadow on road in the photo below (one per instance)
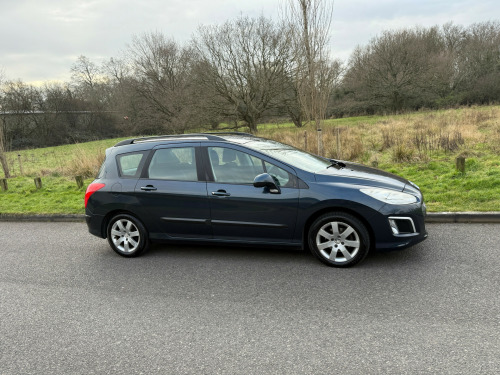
(414, 255)
(226, 251)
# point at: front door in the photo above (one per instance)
(242, 212)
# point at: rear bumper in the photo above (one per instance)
(94, 223)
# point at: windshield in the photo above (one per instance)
(290, 155)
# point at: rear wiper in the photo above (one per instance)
(336, 164)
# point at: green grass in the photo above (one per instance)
(54, 160)
(58, 195)
(444, 188)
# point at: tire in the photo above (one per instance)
(127, 236)
(339, 239)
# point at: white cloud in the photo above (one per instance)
(41, 39)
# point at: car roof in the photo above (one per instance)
(236, 137)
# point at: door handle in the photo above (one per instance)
(220, 193)
(148, 188)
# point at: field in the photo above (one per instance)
(421, 146)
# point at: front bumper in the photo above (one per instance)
(412, 218)
(401, 242)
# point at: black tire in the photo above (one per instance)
(127, 236)
(339, 239)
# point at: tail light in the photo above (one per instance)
(91, 189)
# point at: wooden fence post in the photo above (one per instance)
(20, 164)
(305, 141)
(79, 181)
(38, 182)
(320, 142)
(460, 164)
(3, 184)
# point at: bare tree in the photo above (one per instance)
(477, 60)
(3, 160)
(244, 64)
(210, 109)
(92, 87)
(85, 72)
(314, 74)
(424, 67)
(162, 68)
(90, 83)
(27, 114)
(400, 69)
(124, 98)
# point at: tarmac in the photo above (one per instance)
(432, 217)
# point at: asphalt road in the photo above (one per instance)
(69, 305)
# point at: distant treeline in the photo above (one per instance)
(422, 67)
(248, 71)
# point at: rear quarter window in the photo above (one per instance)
(102, 170)
(129, 165)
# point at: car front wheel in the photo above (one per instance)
(127, 236)
(339, 239)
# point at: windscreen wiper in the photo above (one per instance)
(336, 164)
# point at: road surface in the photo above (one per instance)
(69, 305)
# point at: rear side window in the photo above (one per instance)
(128, 164)
(178, 164)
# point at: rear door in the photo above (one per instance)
(173, 193)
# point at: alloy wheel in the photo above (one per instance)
(125, 235)
(338, 241)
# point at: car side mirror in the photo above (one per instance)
(267, 181)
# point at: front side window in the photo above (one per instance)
(174, 164)
(128, 164)
(283, 178)
(234, 167)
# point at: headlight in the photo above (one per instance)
(389, 196)
(414, 185)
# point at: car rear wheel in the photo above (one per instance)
(339, 239)
(127, 236)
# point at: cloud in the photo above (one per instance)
(356, 22)
(41, 39)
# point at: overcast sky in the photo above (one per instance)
(41, 39)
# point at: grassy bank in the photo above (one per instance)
(421, 146)
(59, 195)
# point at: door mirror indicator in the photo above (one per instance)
(265, 180)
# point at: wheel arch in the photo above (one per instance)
(310, 220)
(113, 213)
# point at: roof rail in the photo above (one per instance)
(230, 133)
(213, 136)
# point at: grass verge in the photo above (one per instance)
(58, 195)
(420, 146)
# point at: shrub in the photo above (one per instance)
(85, 163)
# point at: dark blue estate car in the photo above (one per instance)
(235, 188)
